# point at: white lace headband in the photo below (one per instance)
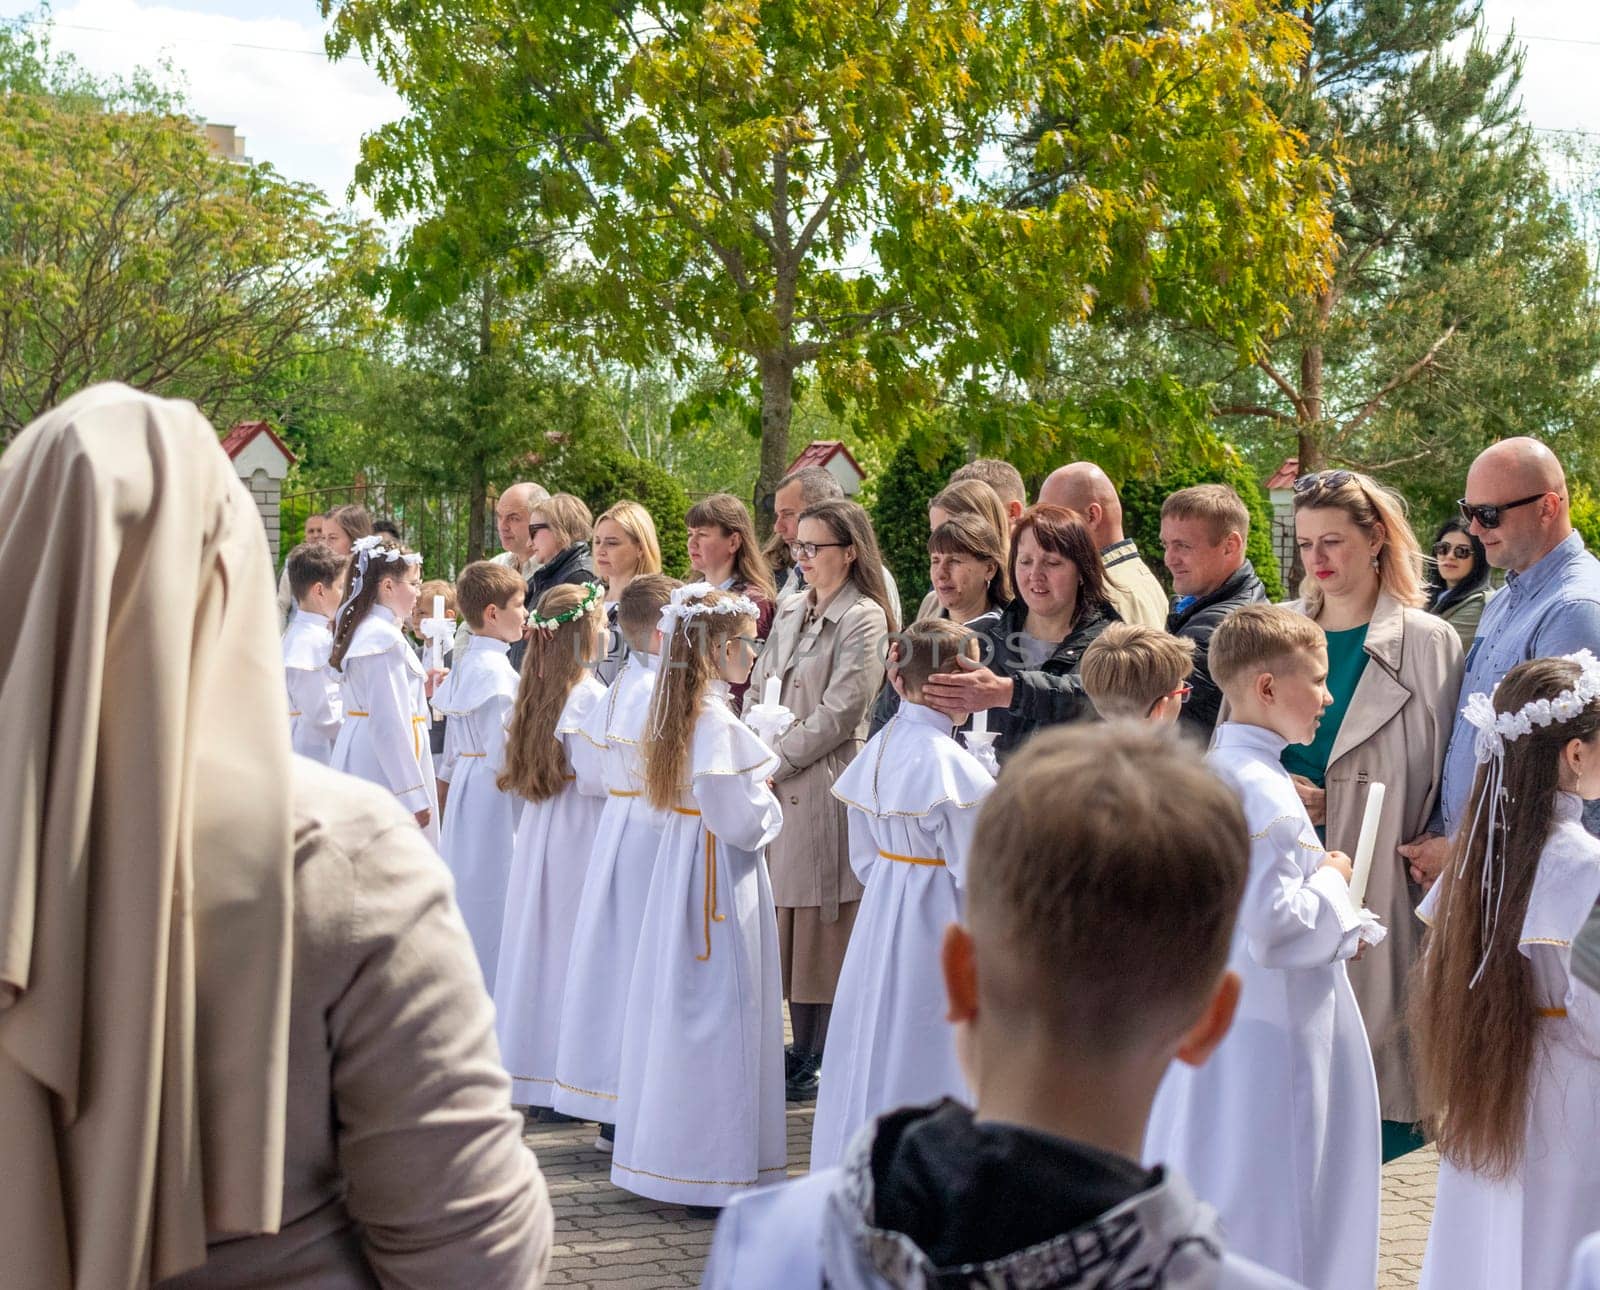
(371, 548)
(679, 609)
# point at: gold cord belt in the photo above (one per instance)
(416, 739)
(709, 902)
(617, 792)
(1552, 1012)
(890, 855)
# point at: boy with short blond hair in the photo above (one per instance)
(1135, 672)
(315, 577)
(480, 821)
(1102, 886)
(1280, 1131)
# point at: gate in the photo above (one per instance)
(436, 522)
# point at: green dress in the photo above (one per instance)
(1347, 660)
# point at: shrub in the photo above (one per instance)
(603, 474)
(915, 472)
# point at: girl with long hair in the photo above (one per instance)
(385, 733)
(1508, 1046)
(700, 1107)
(724, 552)
(557, 773)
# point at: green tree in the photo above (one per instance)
(811, 186)
(129, 253)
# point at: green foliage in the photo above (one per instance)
(602, 474)
(914, 474)
(1141, 513)
(1586, 514)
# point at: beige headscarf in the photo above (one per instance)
(145, 853)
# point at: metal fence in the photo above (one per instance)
(436, 522)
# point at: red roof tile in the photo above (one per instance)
(821, 452)
(233, 443)
(1285, 475)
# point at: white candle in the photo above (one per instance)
(1361, 866)
(980, 722)
(438, 606)
(773, 691)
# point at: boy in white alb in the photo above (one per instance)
(1280, 1130)
(1101, 848)
(913, 794)
(605, 931)
(479, 820)
(316, 581)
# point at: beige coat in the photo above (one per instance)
(1135, 593)
(404, 1163)
(831, 670)
(1395, 731)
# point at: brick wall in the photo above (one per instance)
(267, 493)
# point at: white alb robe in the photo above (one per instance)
(913, 794)
(1521, 1233)
(1280, 1130)
(605, 933)
(700, 1107)
(548, 864)
(384, 738)
(315, 709)
(479, 820)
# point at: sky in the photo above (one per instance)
(259, 66)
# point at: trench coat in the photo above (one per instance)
(831, 671)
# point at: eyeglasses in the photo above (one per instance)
(1323, 479)
(1182, 694)
(1489, 514)
(808, 550)
(538, 526)
(1460, 552)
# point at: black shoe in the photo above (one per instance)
(802, 1085)
(549, 1115)
(702, 1211)
(790, 1060)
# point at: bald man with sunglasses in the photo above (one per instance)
(1517, 506)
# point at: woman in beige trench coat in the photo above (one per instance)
(1395, 673)
(827, 648)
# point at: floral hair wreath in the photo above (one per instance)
(679, 609)
(370, 548)
(1497, 729)
(592, 591)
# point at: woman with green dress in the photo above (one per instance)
(1394, 671)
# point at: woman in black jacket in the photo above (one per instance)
(1028, 676)
(559, 528)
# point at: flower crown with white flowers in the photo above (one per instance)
(1497, 729)
(370, 548)
(679, 608)
(592, 591)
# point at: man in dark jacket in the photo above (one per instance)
(1203, 530)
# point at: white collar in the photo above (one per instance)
(1257, 739)
(483, 644)
(385, 613)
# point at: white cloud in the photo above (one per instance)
(297, 110)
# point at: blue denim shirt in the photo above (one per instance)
(1551, 608)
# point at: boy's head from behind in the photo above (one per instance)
(639, 609)
(1136, 672)
(1272, 663)
(487, 590)
(926, 648)
(1103, 884)
(316, 578)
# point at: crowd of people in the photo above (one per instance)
(1117, 935)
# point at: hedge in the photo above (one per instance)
(913, 476)
(602, 474)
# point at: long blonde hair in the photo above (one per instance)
(637, 523)
(688, 667)
(1370, 505)
(536, 765)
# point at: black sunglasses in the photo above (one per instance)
(1460, 552)
(1489, 514)
(1323, 479)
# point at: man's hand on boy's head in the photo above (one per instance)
(1339, 863)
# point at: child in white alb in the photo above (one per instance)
(913, 794)
(385, 733)
(557, 774)
(316, 580)
(475, 699)
(700, 1107)
(1280, 1129)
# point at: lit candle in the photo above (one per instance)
(770, 696)
(980, 722)
(1361, 866)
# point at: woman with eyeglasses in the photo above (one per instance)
(1458, 579)
(1393, 671)
(826, 648)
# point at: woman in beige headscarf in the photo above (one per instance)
(204, 1035)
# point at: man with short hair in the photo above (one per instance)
(1518, 506)
(1203, 531)
(1003, 477)
(796, 491)
(1135, 593)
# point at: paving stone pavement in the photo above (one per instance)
(607, 1237)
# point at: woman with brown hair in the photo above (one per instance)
(1394, 671)
(723, 550)
(1030, 675)
(1508, 1045)
(826, 650)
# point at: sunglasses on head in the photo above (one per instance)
(1323, 479)
(1445, 548)
(1489, 514)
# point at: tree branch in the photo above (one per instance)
(1254, 410)
(1292, 394)
(1404, 378)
